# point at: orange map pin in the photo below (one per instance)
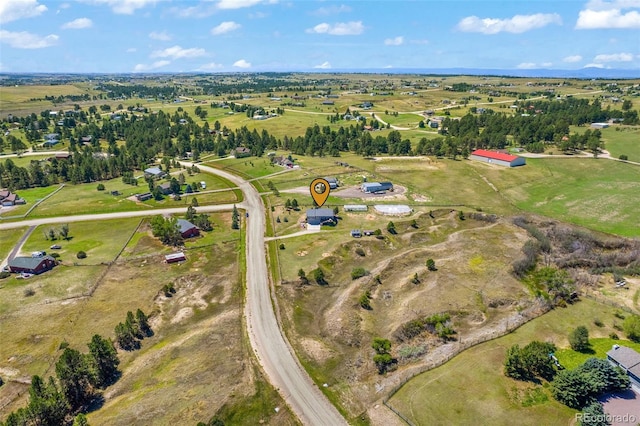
(319, 189)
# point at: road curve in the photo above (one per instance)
(268, 342)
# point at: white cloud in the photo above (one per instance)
(572, 58)
(547, 64)
(201, 10)
(124, 7)
(527, 65)
(396, 41)
(423, 41)
(614, 57)
(331, 10)
(517, 24)
(177, 52)
(324, 66)
(209, 66)
(149, 67)
(162, 36)
(12, 10)
(340, 28)
(594, 66)
(131, 50)
(603, 14)
(78, 24)
(25, 40)
(225, 27)
(242, 64)
(239, 4)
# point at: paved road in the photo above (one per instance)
(17, 247)
(117, 215)
(270, 346)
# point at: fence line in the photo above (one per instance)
(511, 325)
(36, 204)
(612, 303)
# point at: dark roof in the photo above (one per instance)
(185, 225)
(624, 356)
(27, 262)
(320, 213)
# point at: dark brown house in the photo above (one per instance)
(188, 229)
(31, 265)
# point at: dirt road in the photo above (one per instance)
(271, 348)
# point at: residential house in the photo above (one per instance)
(241, 152)
(187, 229)
(31, 265)
(165, 188)
(144, 197)
(320, 216)
(628, 360)
(154, 172)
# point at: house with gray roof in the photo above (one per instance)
(31, 265)
(628, 360)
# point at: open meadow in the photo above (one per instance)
(332, 332)
(80, 298)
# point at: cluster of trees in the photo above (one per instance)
(134, 329)
(200, 220)
(78, 379)
(581, 386)
(54, 233)
(173, 135)
(577, 388)
(167, 230)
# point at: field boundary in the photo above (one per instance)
(521, 319)
(36, 204)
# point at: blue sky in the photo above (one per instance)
(278, 35)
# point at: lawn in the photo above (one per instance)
(100, 240)
(449, 394)
(8, 239)
(622, 140)
(599, 347)
(85, 198)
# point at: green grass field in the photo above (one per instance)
(85, 198)
(472, 386)
(8, 239)
(570, 359)
(599, 194)
(621, 140)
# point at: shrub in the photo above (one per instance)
(358, 273)
(360, 251)
(613, 336)
(281, 246)
(100, 187)
(81, 255)
(623, 157)
(4, 274)
(55, 255)
(365, 301)
(28, 292)
(631, 327)
(431, 265)
(598, 323)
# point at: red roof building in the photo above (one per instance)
(499, 158)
